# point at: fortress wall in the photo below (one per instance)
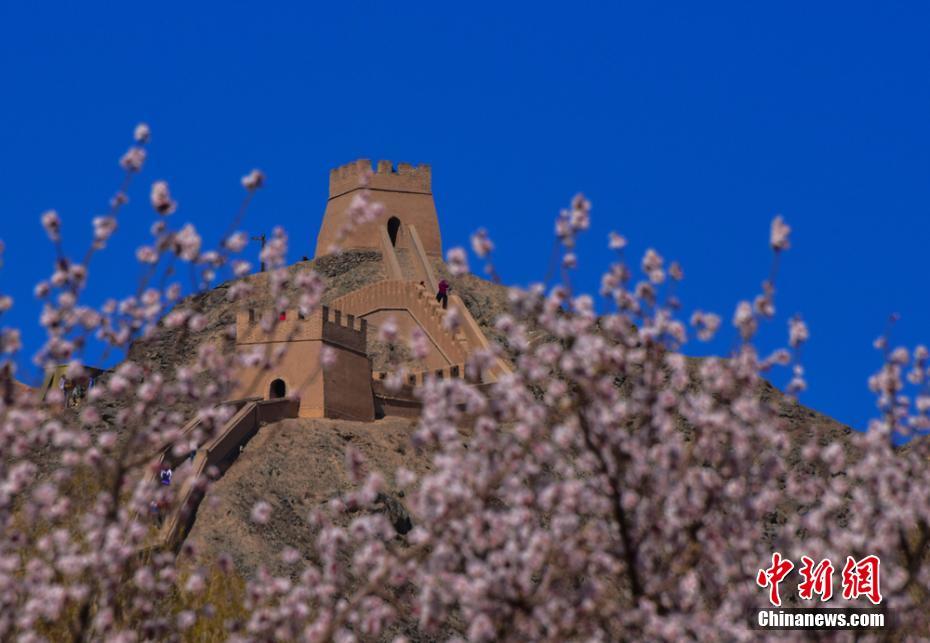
(418, 378)
(296, 369)
(402, 403)
(347, 388)
(405, 324)
(344, 329)
(391, 297)
(249, 326)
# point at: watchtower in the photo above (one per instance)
(404, 191)
(341, 390)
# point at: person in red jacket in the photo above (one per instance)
(443, 294)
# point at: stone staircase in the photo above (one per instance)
(391, 295)
(217, 451)
(438, 313)
(410, 271)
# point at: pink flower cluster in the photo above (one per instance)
(608, 488)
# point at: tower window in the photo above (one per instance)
(393, 225)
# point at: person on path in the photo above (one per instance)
(443, 294)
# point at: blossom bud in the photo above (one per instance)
(616, 241)
(52, 224)
(253, 180)
(161, 198)
(142, 134)
(778, 238)
(133, 159)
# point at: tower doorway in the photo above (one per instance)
(393, 225)
(277, 389)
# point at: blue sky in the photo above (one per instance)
(688, 125)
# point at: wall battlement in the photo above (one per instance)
(346, 330)
(383, 176)
(325, 324)
(453, 372)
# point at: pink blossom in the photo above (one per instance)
(328, 356)
(481, 244)
(187, 243)
(147, 254)
(419, 343)
(104, 227)
(161, 199)
(779, 234)
(195, 584)
(253, 180)
(388, 331)
(616, 241)
(457, 261)
(133, 159)
(706, 324)
(52, 224)
(236, 241)
(798, 333)
(261, 512)
(186, 620)
(142, 133)
(289, 555)
(580, 213)
(652, 265)
(744, 320)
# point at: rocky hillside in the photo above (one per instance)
(299, 464)
(296, 465)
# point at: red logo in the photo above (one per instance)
(862, 579)
(817, 580)
(772, 576)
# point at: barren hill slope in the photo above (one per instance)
(295, 465)
(299, 464)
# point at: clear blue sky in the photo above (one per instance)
(689, 125)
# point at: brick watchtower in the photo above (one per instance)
(341, 391)
(405, 192)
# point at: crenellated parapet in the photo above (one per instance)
(414, 379)
(326, 324)
(382, 176)
(345, 330)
